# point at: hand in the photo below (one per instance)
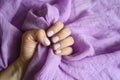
(60, 40)
(30, 39)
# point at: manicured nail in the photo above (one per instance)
(58, 51)
(50, 33)
(47, 41)
(55, 39)
(56, 46)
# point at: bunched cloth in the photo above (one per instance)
(95, 26)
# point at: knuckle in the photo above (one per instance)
(59, 23)
(26, 36)
(67, 51)
(70, 50)
(71, 39)
(40, 31)
(66, 31)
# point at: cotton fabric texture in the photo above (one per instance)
(95, 26)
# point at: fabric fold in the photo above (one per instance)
(95, 29)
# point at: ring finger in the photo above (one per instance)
(64, 43)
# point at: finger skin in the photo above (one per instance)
(35, 36)
(30, 39)
(64, 33)
(55, 28)
(40, 36)
(64, 43)
(28, 45)
(65, 51)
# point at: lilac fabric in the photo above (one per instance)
(95, 26)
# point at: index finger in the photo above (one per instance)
(55, 28)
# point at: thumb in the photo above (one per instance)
(41, 37)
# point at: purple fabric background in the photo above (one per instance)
(95, 26)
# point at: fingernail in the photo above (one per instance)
(56, 46)
(58, 51)
(47, 41)
(55, 39)
(50, 33)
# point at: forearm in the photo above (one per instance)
(15, 71)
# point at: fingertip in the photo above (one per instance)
(42, 37)
(64, 52)
(58, 52)
(55, 28)
(46, 42)
(59, 23)
(68, 30)
(55, 39)
(72, 40)
(50, 33)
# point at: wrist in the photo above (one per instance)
(20, 66)
(15, 71)
(23, 61)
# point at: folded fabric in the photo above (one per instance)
(95, 26)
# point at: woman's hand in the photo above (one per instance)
(59, 39)
(30, 40)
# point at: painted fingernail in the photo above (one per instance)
(56, 46)
(55, 39)
(58, 51)
(47, 41)
(50, 33)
